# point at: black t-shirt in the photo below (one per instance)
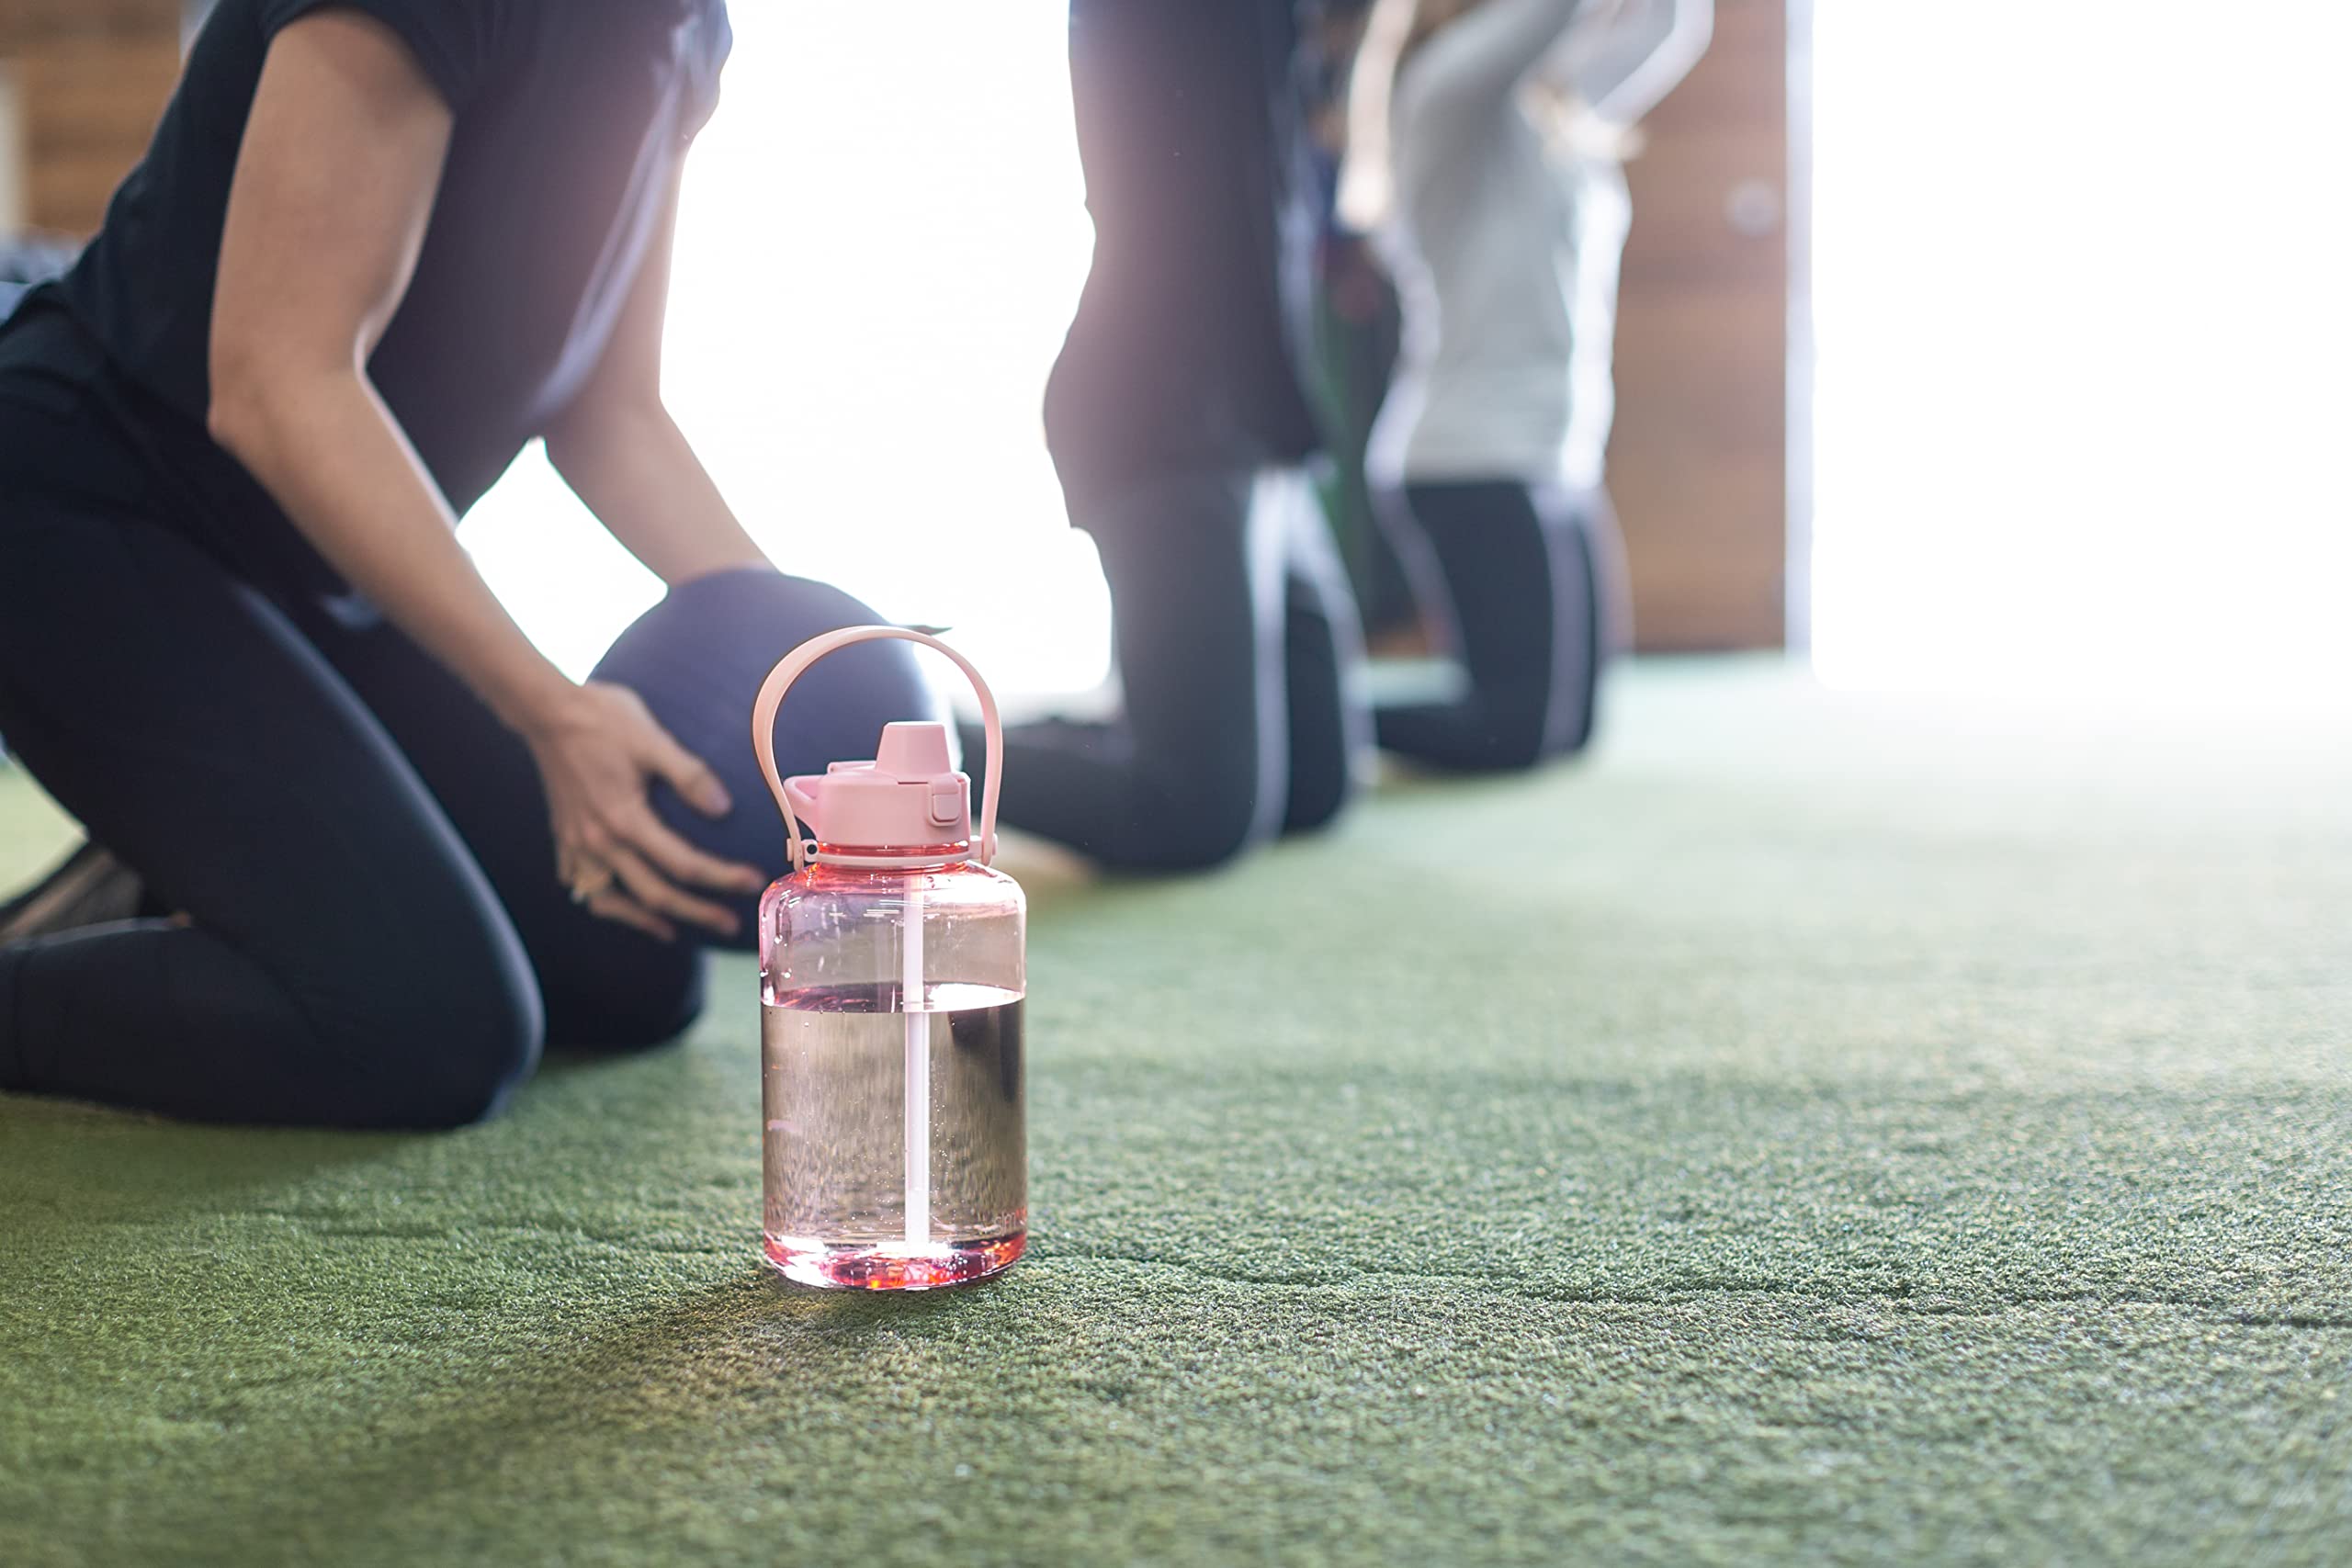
(1191, 138)
(572, 117)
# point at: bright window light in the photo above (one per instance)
(883, 237)
(2081, 284)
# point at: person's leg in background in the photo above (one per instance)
(1606, 540)
(605, 986)
(1328, 718)
(1195, 768)
(1240, 662)
(1527, 592)
(344, 962)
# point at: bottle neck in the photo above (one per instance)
(892, 857)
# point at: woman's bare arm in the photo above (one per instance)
(334, 182)
(1626, 60)
(1468, 69)
(623, 455)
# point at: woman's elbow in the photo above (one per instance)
(234, 402)
(249, 392)
(589, 431)
(257, 397)
(568, 450)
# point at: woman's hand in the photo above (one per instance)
(597, 750)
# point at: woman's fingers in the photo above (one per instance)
(662, 898)
(680, 862)
(658, 752)
(597, 775)
(580, 871)
(687, 773)
(614, 905)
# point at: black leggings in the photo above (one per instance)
(1522, 569)
(1240, 659)
(376, 935)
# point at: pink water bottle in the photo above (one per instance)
(892, 979)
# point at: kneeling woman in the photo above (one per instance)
(1508, 121)
(387, 848)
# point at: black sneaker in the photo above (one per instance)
(91, 888)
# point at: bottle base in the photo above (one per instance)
(892, 1266)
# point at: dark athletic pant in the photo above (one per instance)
(1524, 573)
(1240, 659)
(376, 936)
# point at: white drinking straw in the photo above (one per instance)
(918, 1139)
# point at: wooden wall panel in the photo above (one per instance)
(94, 75)
(1698, 460)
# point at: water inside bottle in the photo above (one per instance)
(835, 1078)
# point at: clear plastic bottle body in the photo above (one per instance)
(895, 1149)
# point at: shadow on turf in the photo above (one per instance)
(581, 1415)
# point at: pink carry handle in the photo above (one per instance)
(795, 664)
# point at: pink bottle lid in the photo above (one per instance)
(910, 794)
(908, 797)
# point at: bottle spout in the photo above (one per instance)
(913, 750)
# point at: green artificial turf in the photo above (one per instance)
(1813, 1129)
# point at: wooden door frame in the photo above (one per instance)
(1710, 461)
(1797, 629)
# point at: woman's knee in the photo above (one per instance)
(450, 1056)
(1519, 729)
(1208, 819)
(1505, 731)
(1320, 794)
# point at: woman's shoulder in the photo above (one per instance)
(692, 23)
(1472, 64)
(690, 37)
